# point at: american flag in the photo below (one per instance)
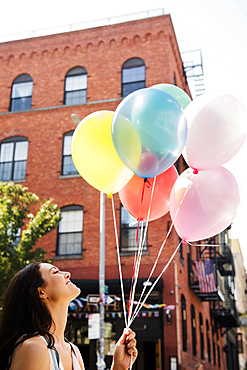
(205, 275)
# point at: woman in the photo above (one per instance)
(33, 322)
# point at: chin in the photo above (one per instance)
(77, 291)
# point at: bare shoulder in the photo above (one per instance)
(78, 355)
(30, 355)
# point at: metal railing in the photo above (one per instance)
(83, 25)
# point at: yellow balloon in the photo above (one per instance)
(94, 155)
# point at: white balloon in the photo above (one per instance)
(217, 127)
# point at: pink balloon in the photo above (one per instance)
(203, 204)
(217, 125)
(136, 195)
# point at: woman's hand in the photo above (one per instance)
(125, 348)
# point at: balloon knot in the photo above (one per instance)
(109, 195)
(184, 241)
(140, 219)
(195, 172)
(147, 183)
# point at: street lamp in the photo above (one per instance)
(101, 350)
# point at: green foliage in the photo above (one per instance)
(15, 206)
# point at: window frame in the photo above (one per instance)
(70, 208)
(193, 330)
(21, 79)
(201, 335)
(69, 133)
(75, 72)
(14, 140)
(184, 323)
(208, 340)
(131, 64)
(131, 250)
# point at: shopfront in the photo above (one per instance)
(148, 324)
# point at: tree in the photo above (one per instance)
(16, 246)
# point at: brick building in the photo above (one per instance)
(43, 81)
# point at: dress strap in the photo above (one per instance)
(54, 354)
(71, 346)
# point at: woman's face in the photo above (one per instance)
(57, 285)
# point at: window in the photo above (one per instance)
(21, 94)
(184, 322)
(128, 232)
(68, 167)
(70, 231)
(201, 336)
(193, 325)
(13, 158)
(133, 76)
(213, 343)
(16, 236)
(181, 257)
(174, 79)
(218, 351)
(208, 341)
(75, 86)
(173, 363)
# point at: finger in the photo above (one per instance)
(131, 343)
(130, 335)
(133, 351)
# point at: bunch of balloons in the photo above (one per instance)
(132, 151)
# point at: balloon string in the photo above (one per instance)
(131, 362)
(139, 218)
(135, 275)
(155, 282)
(141, 244)
(153, 268)
(137, 236)
(203, 245)
(119, 262)
(139, 304)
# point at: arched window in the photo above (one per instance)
(184, 322)
(201, 335)
(193, 326)
(68, 167)
(128, 232)
(13, 158)
(208, 341)
(133, 76)
(21, 94)
(70, 231)
(75, 86)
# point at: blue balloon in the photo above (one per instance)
(159, 122)
(180, 95)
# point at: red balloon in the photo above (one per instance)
(136, 195)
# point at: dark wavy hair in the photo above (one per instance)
(23, 315)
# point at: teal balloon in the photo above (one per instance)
(159, 121)
(180, 95)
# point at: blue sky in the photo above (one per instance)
(217, 27)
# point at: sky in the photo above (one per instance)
(216, 27)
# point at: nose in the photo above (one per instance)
(67, 275)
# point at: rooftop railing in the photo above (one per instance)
(83, 25)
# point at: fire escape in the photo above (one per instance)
(222, 302)
(193, 69)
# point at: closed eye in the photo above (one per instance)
(55, 272)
